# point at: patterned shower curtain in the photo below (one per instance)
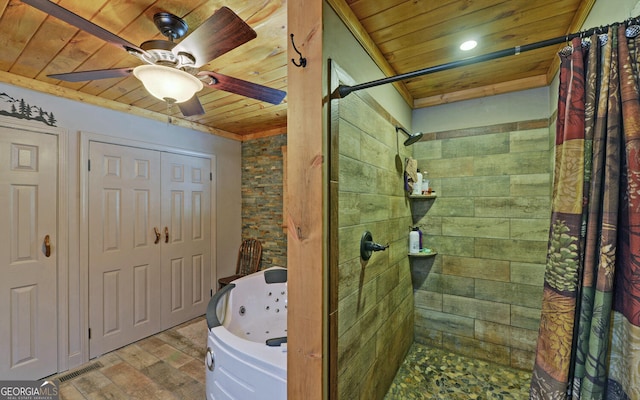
(589, 337)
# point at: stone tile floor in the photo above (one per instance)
(429, 374)
(169, 365)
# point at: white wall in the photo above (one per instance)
(74, 117)
(503, 108)
(340, 46)
(606, 12)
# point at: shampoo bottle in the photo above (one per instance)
(417, 185)
(414, 242)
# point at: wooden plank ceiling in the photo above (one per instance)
(401, 36)
(406, 36)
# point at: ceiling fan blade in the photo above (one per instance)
(92, 75)
(220, 33)
(74, 19)
(245, 88)
(191, 107)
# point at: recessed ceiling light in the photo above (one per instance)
(468, 45)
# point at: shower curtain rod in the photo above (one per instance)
(344, 90)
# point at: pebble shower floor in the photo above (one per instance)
(429, 374)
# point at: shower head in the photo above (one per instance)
(413, 137)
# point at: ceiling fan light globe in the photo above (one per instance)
(168, 83)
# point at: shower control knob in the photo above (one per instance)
(367, 246)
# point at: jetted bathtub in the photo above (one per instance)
(246, 355)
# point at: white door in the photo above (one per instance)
(186, 252)
(28, 266)
(124, 253)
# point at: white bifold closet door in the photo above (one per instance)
(28, 254)
(149, 244)
(186, 248)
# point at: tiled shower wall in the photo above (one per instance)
(262, 197)
(375, 301)
(482, 294)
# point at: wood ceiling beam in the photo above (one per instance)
(357, 30)
(263, 134)
(59, 91)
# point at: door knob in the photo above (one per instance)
(157, 232)
(47, 246)
(166, 234)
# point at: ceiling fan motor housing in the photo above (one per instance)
(161, 53)
(170, 25)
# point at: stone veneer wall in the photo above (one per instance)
(262, 197)
(375, 302)
(482, 294)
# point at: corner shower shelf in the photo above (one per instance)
(423, 255)
(422, 196)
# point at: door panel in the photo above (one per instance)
(186, 254)
(28, 277)
(124, 260)
(138, 286)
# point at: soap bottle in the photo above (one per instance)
(425, 183)
(414, 241)
(417, 185)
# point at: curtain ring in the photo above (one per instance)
(567, 50)
(632, 31)
(603, 38)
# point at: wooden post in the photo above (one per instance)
(305, 221)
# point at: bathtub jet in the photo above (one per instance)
(246, 355)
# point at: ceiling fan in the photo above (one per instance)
(171, 72)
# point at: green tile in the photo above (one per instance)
(448, 167)
(530, 185)
(528, 251)
(524, 339)
(428, 300)
(349, 209)
(493, 332)
(530, 229)
(477, 186)
(373, 207)
(474, 308)
(506, 164)
(444, 322)
(531, 274)
(526, 317)
(497, 143)
(349, 140)
(529, 140)
(427, 150)
(509, 293)
(454, 207)
(472, 267)
(471, 347)
(475, 227)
